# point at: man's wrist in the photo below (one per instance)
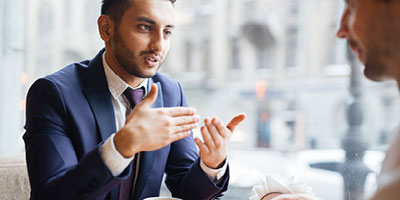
(214, 174)
(221, 164)
(212, 166)
(123, 146)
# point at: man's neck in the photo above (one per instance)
(398, 83)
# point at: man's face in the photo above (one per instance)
(142, 38)
(372, 29)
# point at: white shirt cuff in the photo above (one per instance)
(115, 162)
(214, 174)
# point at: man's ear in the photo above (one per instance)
(106, 27)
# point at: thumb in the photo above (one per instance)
(235, 121)
(150, 98)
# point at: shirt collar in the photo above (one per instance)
(115, 84)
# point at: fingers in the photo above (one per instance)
(150, 98)
(235, 121)
(180, 111)
(179, 136)
(202, 147)
(181, 132)
(213, 150)
(218, 131)
(184, 128)
(207, 138)
(178, 121)
(213, 132)
(222, 130)
(181, 124)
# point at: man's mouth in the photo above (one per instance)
(354, 46)
(152, 59)
(356, 49)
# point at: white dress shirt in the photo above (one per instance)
(115, 162)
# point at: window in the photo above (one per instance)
(12, 84)
(292, 47)
(68, 12)
(337, 55)
(206, 56)
(249, 8)
(235, 53)
(188, 56)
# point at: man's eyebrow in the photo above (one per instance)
(145, 19)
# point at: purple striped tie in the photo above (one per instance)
(134, 96)
(126, 187)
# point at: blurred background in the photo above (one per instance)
(279, 61)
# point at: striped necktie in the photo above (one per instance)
(127, 186)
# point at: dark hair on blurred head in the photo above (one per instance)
(116, 8)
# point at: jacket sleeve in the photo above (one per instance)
(185, 178)
(55, 171)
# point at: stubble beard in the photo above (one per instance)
(374, 68)
(383, 53)
(127, 59)
(381, 57)
(370, 59)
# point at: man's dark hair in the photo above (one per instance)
(116, 8)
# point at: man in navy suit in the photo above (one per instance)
(90, 136)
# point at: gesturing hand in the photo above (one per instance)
(148, 129)
(216, 135)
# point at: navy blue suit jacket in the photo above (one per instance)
(70, 113)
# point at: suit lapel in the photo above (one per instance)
(147, 157)
(159, 102)
(99, 97)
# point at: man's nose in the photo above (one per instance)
(343, 31)
(157, 42)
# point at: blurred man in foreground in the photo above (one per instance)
(372, 30)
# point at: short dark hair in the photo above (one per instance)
(116, 8)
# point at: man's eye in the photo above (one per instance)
(145, 27)
(167, 33)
